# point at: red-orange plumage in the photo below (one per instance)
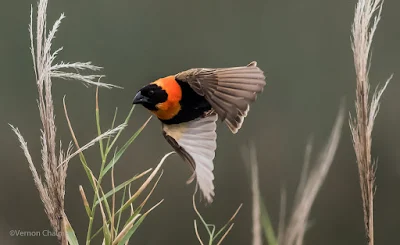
(171, 107)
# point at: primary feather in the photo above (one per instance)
(229, 90)
(195, 142)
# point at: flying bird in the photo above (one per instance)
(189, 104)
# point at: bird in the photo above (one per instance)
(189, 104)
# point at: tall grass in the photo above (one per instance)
(366, 19)
(51, 186)
(310, 183)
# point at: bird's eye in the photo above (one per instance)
(151, 92)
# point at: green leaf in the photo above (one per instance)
(71, 237)
(266, 223)
(118, 155)
(88, 171)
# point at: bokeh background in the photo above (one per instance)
(304, 49)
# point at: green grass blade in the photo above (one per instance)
(112, 126)
(107, 234)
(98, 123)
(88, 171)
(121, 186)
(108, 209)
(134, 213)
(206, 226)
(136, 225)
(119, 215)
(220, 231)
(228, 224)
(96, 233)
(129, 234)
(119, 133)
(118, 155)
(145, 184)
(71, 237)
(267, 225)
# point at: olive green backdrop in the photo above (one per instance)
(304, 48)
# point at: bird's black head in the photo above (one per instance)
(150, 95)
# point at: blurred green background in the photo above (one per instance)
(304, 49)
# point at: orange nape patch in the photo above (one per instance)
(171, 107)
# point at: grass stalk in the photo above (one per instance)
(366, 18)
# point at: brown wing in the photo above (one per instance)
(195, 142)
(229, 90)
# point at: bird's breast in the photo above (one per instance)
(191, 106)
(167, 110)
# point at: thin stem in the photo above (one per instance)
(98, 123)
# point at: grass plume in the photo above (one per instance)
(366, 19)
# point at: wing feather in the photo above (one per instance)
(230, 91)
(195, 142)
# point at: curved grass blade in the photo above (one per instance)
(121, 186)
(267, 225)
(71, 237)
(118, 155)
(119, 133)
(112, 126)
(136, 225)
(145, 184)
(228, 225)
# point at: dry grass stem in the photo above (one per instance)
(310, 184)
(152, 190)
(306, 194)
(226, 234)
(196, 230)
(255, 188)
(282, 216)
(366, 19)
(85, 201)
(146, 183)
(113, 204)
(125, 230)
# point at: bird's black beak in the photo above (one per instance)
(139, 98)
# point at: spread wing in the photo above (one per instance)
(195, 142)
(229, 90)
